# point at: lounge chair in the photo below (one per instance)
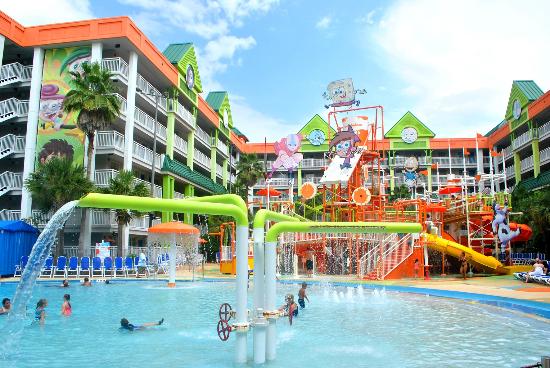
(21, 266)
(119, 267)
(60, 267)
(108, 266)
(97, 267)
(520, 275)
(84, 267)
(129, 266)
(73, 266)
(48, 267)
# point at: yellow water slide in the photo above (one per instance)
(480, 261)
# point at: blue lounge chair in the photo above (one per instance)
(84, 267)
(97, 267)
(129, 266)
(119, 267)
(60, 267)
(48, 267)
(73, 266)
(21, 266)
(108, 266)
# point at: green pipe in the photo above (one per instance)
(222, 198)
(147, 204)
(340, 227)
(263, 215)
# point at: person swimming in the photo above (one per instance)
(40, 311)
(126, 325)
(290, 308)
(66, 308)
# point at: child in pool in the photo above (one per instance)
(302, 295)
(66, 308)
(290, 308)
(126, 325)
(40, 311)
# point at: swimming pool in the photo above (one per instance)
(343, 326)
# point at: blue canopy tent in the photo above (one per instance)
(16, 240)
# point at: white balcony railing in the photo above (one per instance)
(10, 215)
(10, 181)
(544, 130)
(145, 155)
(11, 144)
(510, 171)
(275, 182)
(148, 91)
(507, 152)
(203, 136)
(118, 66)
(178, 195)
(110, 140)
(13, 108)
(455, 161)
(223, 148)
(313, 163)
(15, 73)
(147, 122)
(219, 170)
(103, 178)
(521, 140)
(232, 179)
(180, 144)
(202, 159)
(545, 155)
(186, 115)
(527, 164)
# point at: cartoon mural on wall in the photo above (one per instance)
(342, 93)
(343, 145)
(411, 164)
(287, 154)
(58, 134)
(501, 227)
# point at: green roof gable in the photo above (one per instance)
(219, 101)
(525, 91)
(316, 123)
(181, 55)
(239, 133)
(530, 89)
(216, 99)
(184, 171)
(406, 121)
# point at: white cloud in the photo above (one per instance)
(457, 60)
(32, 12)
(256, 125)
(369, 18)
(323, 23)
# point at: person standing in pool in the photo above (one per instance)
(290, 308)
(309, 262)
(126, 325)
(463, 264)
(6, 306)
(66, 308)
(302, 295)
(86, 282)
(40, 311)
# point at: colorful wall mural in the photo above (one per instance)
(57, 131)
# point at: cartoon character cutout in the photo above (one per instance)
(411, 164)
(342, 93)
(501, 227)
(343, 145)
(287, 154)
(51, 107)
(56, 148)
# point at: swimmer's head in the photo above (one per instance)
(124, 322)
(65, 283)
(304, 285)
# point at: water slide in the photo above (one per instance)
(334, 174)
(454, 249)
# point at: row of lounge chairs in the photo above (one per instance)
(543, 279)
(94, 267)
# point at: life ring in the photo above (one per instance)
(361, 196)
(225, 312)
(223, 329)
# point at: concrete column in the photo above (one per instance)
(479, 161)
(536, 157)
(131, 106)
(190, 148)
(224, 175)
(517, 167)
(32, 128)
(2, 40)
(213, 155)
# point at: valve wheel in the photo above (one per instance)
(223, 330)
(225, 312)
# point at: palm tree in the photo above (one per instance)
(125, 184)
(92, 97)
(54, 183)
(249, 170)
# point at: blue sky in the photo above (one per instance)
(450, 63)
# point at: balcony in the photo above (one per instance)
(110, 140)
(314, 163)
(527, 164)
(186, 116)
(104, 177)
(178, 195)
(544, 130)
(219, 171)
(201, 159)
(11, 144)
(232, 179)
(180, 145)
(223, 148)
(545, 156)
(203, 137)
(15, 73)
(145, 156)
(507, 152)
(10, 215)
(13, 108)
(117, 66)
(510, 172)
(147, 123)
(275, 182)
(454, 161)
(522, 140)
(312, 179)
(10, 182)
(148, 92)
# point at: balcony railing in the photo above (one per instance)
(232, 179)
(180, 144)
(223, 148)
(13, 108)
(147, 123)
(510, 171)
(104, 177)
(15, 73)
(521, 140)
(314, 163)
(203, 136)
(545, 155)
(178, 195)
(219, 170)
(455, 161)
(202, 159)
(148, 91)
(275, 182)
(544, 130)
(186, 115)
(10, 181)
(123, 104)
(110, 139)
(10, 144)
(507, 152)
(527, 164)
(118, 66)
(10, 215)
(145, 155)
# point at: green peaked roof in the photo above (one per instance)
(215, 99)
(316, 122)
(409, 120)
(181, 55)
(239, 133)
(529, 88)
(184, 171)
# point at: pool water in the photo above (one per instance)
(341, 327)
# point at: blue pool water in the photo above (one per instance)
(342, 327)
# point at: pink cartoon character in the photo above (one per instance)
(287, 154)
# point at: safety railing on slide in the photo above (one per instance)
(395, 253)
(370, 261)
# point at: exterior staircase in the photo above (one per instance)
(11, 144)
(15, 73)
(13, 108)
(385, 256)
(10, 181)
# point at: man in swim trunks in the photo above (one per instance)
(309, 262)
(126, 325)
(302, 295)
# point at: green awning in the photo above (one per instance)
(536, 183)
(177, 168)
